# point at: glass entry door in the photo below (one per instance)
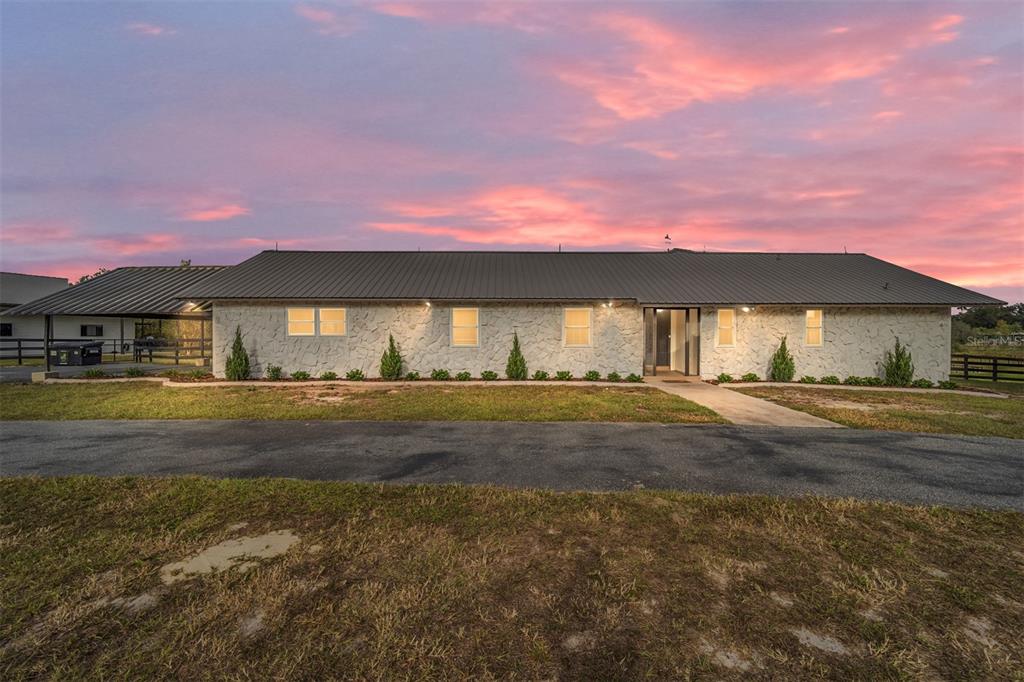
(672, 341)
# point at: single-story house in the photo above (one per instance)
(17, 288)
(116, 308)
(689, 312)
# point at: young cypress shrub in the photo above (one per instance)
(898, 366)
(391, 361)
(515, 368)
(237, 367)
(782, 368)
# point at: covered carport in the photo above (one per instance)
(137, 301)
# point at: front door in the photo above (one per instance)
(672, 340)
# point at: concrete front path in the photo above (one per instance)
(737, 407)
(905, 467)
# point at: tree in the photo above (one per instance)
(391, 361)
(782, 367)
(86, 278)
(898, 366)
(237, 368)
(515, 368)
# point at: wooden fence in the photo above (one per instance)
(137, 350)
(986, 368)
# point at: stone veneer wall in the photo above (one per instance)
(856, 339)
(422, 333)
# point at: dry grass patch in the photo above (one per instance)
(898, 411)
(451, 582)
(417, 403)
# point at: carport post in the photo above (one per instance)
(47, 334)
(121, 346)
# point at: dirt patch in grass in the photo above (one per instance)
(452, 582)
(894, 411)
(128, 400)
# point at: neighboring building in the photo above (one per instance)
(17, 288)
(683, 311)
(114, 307)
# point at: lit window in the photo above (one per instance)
(301, 321)
(726, 327)
(813, 337)
(332, 322)
(465, 327)
(576, 323)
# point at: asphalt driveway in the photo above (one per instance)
(915, 468)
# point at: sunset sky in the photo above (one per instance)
(145, 133)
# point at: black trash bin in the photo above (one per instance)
(65, 353)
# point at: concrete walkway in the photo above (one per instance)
(737, 407)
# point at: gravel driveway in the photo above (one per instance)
(915, 468)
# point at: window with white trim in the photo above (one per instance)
(301, 321)
(576, 327)
(332, 321)
(726, 327)
(465, 327)
(815, 333)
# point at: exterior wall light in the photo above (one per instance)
(746, 308)
(428, 303)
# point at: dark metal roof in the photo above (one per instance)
(661, 277)
(132, 292)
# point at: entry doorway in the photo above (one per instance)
(672, 341)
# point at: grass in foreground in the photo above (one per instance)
(450, 582)
(428, 403)
(896, 411)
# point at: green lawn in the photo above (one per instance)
(896, 411)
(146, 400)
(451, 582)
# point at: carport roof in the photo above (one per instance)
(665, 278)
(127, 292)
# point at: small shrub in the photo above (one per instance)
(237, 367)
(328, 376)
(807, 379)
(724, 378)
(516, 368)
(94, 374)
(853, 381)
(563, 375)
(750, 376)
(922, 383)
(134, 373)
(592, 375)
(947, 385)
(540, 375)
(634, 378)
(463, 376)
(273, 372)
(488, 375)
(898, 366)
(830, 379)
(782, 367)
(440, 375)
(412, 376)
(614, 376)
(872, 381)
(355, 375)
(198, 374)
(391, 361)
(301, 375)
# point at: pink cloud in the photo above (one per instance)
(664, 68)
(887, 115)
(214, 213)
(152, 30)
(34, 231)
(328, 22)
(131, 245)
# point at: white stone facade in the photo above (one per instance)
(855, 341)
(423, 335)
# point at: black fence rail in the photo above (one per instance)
(137, 350)
(986, 367)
